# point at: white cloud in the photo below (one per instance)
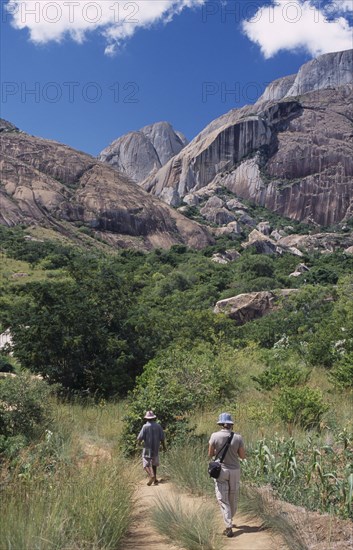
(117, 20)
(301, 24)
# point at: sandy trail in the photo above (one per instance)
(142, 535)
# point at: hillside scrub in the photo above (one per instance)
(94, 328)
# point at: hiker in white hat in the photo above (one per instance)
(152, 436)
(228, 483)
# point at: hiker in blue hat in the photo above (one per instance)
(228, 483)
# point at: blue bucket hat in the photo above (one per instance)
(225, 418)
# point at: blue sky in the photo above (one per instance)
(83, 77)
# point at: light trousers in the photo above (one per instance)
(227, 493)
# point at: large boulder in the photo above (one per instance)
(253, 305)
(220, 216)
(228, 256)
(262, 243)
(264, 228)
(233, 228)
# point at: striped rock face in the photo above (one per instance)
(291, 152)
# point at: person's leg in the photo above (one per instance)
(234, 485)
(155, 463)
(155, 482)
(222, 494)
(147, 466)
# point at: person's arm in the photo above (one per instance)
(241, 450)
(211, 451)
(140, 437)
(162, 438)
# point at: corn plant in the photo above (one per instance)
(319, 477)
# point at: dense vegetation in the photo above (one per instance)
(141, 326)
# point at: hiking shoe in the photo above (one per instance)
(228, 532)
(150, 481)
(156, 482)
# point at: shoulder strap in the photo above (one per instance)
(225, 447)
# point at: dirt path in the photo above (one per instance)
(142, 535)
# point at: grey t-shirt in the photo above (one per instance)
(151, 434)
(218, 439)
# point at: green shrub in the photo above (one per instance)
(322, 276)
(304, 406)
(281, 375)
(342, 372)
(24, 410)
(5, 365)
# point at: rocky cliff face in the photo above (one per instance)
(138, 154)
(50, 184)
(291, 152)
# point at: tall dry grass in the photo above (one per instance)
(59, 497)
(99, 422)
(190, 525)
(87, 507)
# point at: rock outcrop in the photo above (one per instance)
(320, 242)
(46, 183)
(138, 154)
(291, 152)
(261, 243)
(247, 307)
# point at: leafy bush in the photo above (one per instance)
(322, 276)
(5, 365)
(280, 375)
(342, 372)
(72, 331)
(256, 266)
(24, 411)
(304, 406)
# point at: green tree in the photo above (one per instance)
(73, 331)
